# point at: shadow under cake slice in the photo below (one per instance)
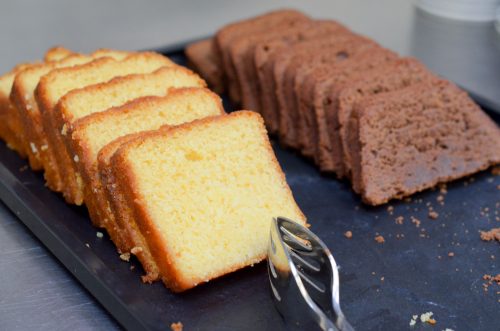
(412, 139)
(242, 29)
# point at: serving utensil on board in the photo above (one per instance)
(304, 278)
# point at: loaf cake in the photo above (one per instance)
(242, 51)
(263, 61)
(7, 121)
(316, 90)
(95, 98)
(22, 96)
(412, 139)
(191, 241)
(337, 51)
(57, 53)
(58, 82)
(387, 78)
(243, 29)
(92, 133)
(203, 57)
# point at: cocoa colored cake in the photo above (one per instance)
(232, 32)
(339, 50)
(390, 77)
(409, 140)
(242, 55)
(264, 64)
(308, 83)
(204, 59)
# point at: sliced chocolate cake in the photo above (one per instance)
(314, 89)
(263, 55)
(412, 139)
(390, 77)
(242, 29)
(337, 50)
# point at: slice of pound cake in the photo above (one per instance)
(22, 96)
(59, 82)
(412, 139)
(206, 207)
(93, 132)
(96, 98)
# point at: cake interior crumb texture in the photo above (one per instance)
(177, 178)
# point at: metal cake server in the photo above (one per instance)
(304, 278)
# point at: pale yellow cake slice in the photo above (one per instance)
(203, 195)
(96, 98)
(93, 132)
(22, 97)
(60, 81)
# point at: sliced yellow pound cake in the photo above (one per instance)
(93, 132)
(7, 121)
(96, 98)
(22, 96)
(58, 82)
(57, 53)
(205, 194)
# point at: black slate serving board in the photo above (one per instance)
(382, 285)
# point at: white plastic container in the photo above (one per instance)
(465, 10)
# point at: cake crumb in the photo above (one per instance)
(380, 239)
(451, 254)
(348, 234)
(433, 215)
(400, 220)
(415, 221)
(125, 257)
(493, 234)
(132, 267)
(87, 244)
(99, 234)
(136, 250)
(176, 326)
(426, 317)
(440, 198)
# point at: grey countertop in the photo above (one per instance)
(36, 292)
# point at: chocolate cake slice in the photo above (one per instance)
(263, 64)
(390, 77)
(310, 92)
(285, 71)
(412, 139)
(242, 50)
(204, 59)
(231, 32)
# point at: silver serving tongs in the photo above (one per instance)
(304, 278)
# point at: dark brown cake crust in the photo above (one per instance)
(412, 139)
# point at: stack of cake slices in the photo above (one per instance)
(355, 108)
(173, 179)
